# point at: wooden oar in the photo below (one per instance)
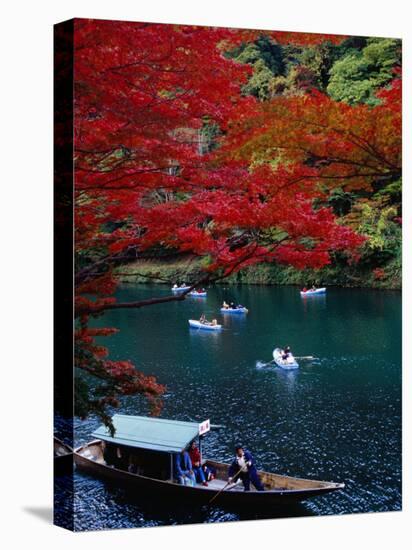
(223, 488)
(306, 357)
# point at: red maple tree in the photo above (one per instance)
(143, 95)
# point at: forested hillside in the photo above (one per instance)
(361, 184)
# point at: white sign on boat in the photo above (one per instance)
(204, 427)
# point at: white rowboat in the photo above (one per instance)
(313, 292)
(233, 310)
(180, 288)
(287, 364)
(203, 326)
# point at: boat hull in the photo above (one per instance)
(180, 289)
(198, 294)
(238, 311)
(313, 292)
(63, 458)
(202, 326)
(290, 365)
(149, 488)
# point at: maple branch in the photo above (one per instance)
(90, 270)
(208, 278)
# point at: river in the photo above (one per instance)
(336, 418)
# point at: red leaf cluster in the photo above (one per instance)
(143, 95)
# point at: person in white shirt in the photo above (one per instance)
(243, 467)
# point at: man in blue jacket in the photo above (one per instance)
(184, 469)
(243, 467)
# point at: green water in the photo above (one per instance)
(336, 418)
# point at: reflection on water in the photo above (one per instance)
(337, 418)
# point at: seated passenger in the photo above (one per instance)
(304, 289)
(225, 305)
(208, 472)
(214, 322)
(286, 353)
(313, 287)
(183, 469)
(232, 305)
(121, 459)
(202, 318)
(194, 454)
(109, 454)
(132, 468)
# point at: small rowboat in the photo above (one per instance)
(180, 288)
(204, 326)
(140, 456)
(233, 310)
(287, 364)
(313, 292)
(198, 294)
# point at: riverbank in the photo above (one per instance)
(188, 269)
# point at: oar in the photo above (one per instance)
(223, 488)
(261, 364)
(306, 357)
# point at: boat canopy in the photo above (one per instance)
(156, 434)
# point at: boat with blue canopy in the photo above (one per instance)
(140, 455)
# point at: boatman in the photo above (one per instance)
(243, 467)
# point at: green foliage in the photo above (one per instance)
(262, 49)
(259, 82)
(341, 201)
(381, 254)
(356, 77)
(391, 193)
(379, 226)
(297, 82)
(266, 57)
(318, 59)
(163, 271)
(339, 273)
(209, 134)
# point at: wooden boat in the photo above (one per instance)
(198, 294)
(150, 444)
(287, 364)
(203, 326)
(233, 310)
(313, 292)
(63, 457)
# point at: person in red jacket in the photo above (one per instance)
(194, 454)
